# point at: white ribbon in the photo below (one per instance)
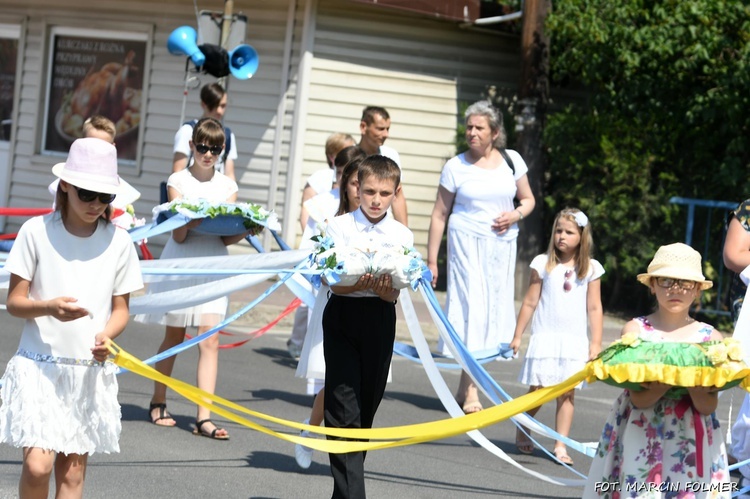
(446, 397)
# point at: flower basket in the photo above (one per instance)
(220, 219)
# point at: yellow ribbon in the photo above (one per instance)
(396, 436)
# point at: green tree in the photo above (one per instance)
(666, 113)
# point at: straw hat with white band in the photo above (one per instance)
(678, 261)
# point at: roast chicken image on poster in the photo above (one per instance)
(92, 76)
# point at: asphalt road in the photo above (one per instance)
(170, 463)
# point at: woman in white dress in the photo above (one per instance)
(476, 200)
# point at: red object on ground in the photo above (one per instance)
(263, 330)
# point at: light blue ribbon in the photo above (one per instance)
(481, 357)
(197, 339)
(168, 225)
(494, 391)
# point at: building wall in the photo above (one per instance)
(420, 70)
(252, 113)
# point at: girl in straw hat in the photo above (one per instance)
(71, 275)
(663, 441)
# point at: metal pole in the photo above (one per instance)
(226, 26)
(188, 78)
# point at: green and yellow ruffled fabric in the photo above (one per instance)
(633, 360)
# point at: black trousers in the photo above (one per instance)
(358, 335)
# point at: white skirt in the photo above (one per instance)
(553, 357)
(479, 299)
(205, 314)
(70, 409)
(312, 362)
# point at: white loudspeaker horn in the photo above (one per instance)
(183, 41)
(243, 62)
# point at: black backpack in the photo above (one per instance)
(163, 196)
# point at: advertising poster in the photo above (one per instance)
(8, 58)
(91, 75)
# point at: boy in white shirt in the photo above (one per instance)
(359, 322)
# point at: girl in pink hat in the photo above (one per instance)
(71, 275)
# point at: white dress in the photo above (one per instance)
(481, 263)
(312, 364)
(322, 180)
(216, 190)
(55, 396)
(559, 345)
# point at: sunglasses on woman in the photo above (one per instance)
(203, 149)
(668, 282)
(88, 196)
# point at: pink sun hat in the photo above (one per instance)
(91, 165)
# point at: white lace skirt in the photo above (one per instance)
(553, 357)
(71, 409)
(479, 299)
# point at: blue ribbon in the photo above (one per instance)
(494, 391)
(482, 357)
(197, 339)
(146, 231)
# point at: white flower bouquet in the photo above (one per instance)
(344, 266)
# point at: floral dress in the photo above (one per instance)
(672, 451)
(737, 289)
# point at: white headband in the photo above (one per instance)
(580, 217)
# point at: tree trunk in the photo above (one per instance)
(530, 119)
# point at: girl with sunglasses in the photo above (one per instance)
(200, 181)
(663, 435)
(71, 275)
(214, 104)
(564, 295)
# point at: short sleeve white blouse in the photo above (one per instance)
(91, 269)
(482, 194)
(322, 180)
(216, 190)
(560, 311)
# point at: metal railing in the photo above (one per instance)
(723, 278)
